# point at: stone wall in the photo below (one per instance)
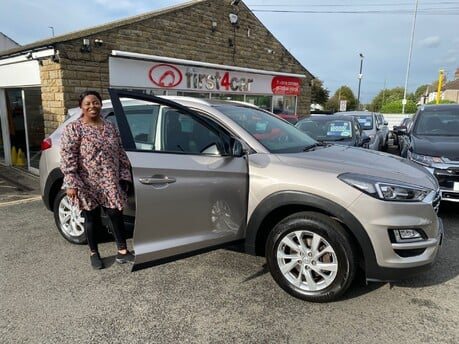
(185, 33)
(52, 94)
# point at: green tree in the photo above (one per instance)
(387, 96)
(319, 94)
(395, 106)
(343, 93)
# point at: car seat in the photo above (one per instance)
(431, 123)
(174, 139)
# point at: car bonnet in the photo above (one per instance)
(443, 146)
(342, 159)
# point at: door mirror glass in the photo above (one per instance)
(237, 148)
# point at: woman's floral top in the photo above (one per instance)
(94, 162)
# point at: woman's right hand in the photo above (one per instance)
(71, 193)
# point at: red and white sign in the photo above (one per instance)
(165, 75)
(285, 85)
(150, 74)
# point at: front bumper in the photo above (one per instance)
(447, 175)
(448, 179)
(379, 273)
(394, 260)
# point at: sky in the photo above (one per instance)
(325, 36)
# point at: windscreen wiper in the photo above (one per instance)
(313, 146)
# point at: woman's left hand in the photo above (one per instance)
(124, 185)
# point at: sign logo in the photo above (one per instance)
(285, 85)
(165, 75)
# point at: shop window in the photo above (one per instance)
(263, 102)
(16, 125)
(35, 124)
(285, 105)
(226, 96)
(194, 94)
(25, 126)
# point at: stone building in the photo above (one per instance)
(218, 47)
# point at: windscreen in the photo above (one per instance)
(275, 134)
(438, 123)
(366, 121)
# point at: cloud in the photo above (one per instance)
(430, 42)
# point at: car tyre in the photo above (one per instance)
(68, 219)
(310, 256)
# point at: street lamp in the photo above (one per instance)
(413, 28)
(360, 80)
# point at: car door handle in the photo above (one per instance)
(156, 180)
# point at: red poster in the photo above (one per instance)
(285, 85)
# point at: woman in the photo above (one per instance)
(96, 174)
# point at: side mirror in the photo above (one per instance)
(365, 140)
(237, 148)
(401, 130)
(386, 122)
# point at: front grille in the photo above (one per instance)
(450, 195)
(446, 177)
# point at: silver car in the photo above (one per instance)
(373, 126)
(212, 173)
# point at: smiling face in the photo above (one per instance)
(91, 107)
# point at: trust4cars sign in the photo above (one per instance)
(151, 74)
(166, 75)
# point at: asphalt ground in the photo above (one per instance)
(17, 185)
(49, 294)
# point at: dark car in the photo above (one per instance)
(399, 139)
(432, 140)
(343, 130)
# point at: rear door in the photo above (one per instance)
(190, 192)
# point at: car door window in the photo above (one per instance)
(142, 120)
(357, 129)
(183, 133)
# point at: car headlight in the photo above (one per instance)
(385, 189)
(425, 160)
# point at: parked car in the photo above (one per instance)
(432, 140)
(371, 126)
(289, 117)
(337, 129)
(211, 173)
(399, 139)
(382, 125)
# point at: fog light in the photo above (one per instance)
(405, 235)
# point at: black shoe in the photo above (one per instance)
(96, 262)
(128, 257)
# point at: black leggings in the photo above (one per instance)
(93, 223)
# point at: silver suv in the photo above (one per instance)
(210, 173)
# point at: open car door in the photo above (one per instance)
(190, 190)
